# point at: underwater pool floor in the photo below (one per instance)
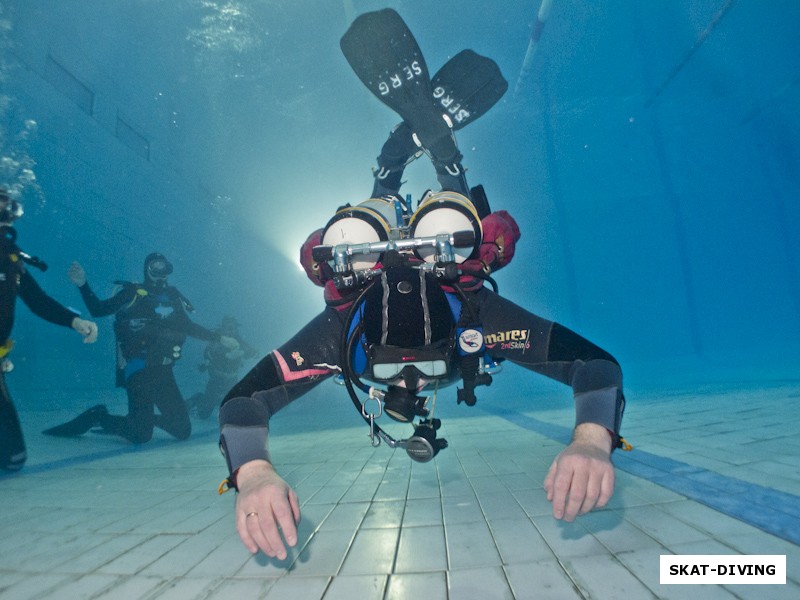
(715, 470)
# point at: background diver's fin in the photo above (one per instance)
(467, 86)
(80, 424)
(385, 56)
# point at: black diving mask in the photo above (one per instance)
(159, 269)
(387, 363)
(10, 210)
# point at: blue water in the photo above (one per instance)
(650, 152)
(650, 155)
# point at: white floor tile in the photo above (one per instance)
(372, 552)
(363, 587)
(403, 586)
(479, 584)
(93, 517)
(421, 549)
(471, 545)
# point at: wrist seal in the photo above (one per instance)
(244, 432)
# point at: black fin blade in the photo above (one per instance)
(467, 86)
(387, 59)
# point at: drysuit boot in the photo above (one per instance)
(446, 160)
(395, 154)
(93, 417)
(430, 134)
(433, 135)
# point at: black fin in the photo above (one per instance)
(467, 86)
(387, 59)
(80, 424)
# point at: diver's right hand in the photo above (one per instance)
(88, 329)
(265, 507)
(581, 477)
(76, 274)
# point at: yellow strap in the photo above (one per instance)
(6, 348)
(140, 293)
(625, 445)
(224, 486)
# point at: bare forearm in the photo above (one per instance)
(594, 435)
(251, 471)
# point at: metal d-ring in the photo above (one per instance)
(374, 439)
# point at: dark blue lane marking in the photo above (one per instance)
(82, 459)
(770, 510)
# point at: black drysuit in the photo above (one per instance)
(16, 281)
(151, 326)
(510, 333)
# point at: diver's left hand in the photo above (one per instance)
(228, 342)
(581, 477)
(267, 510)
(88, 329)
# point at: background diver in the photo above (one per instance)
(151, 325)
(222, 364)
(399, 313)
(16, 281)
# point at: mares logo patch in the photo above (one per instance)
(299, 360)
(512, 339)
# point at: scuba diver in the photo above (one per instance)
(16, 281)
(406, 305)
(222, 365)
(151, 325)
